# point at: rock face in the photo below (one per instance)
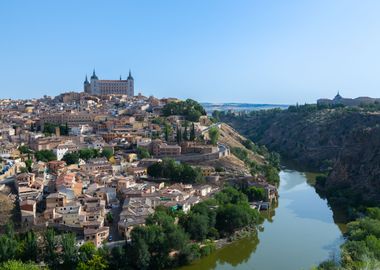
(342, 141)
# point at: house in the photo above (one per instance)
(203, 190)
(96, 236)
(55, 200)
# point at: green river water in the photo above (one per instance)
(298, 234)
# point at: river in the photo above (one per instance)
(298, 234)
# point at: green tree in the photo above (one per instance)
(271, 174)
(140, 255)
(50, 254)
(214, 135)
(24, 149)
(189, 108)
(88, 153)
(8, 248)
(28, 164)
(167, 131)
(30, 247)
(142, 153)
(71, 158)
(108, 153)
(45, 155)
(87, 251)
(255, 194)
(196, 225)
(69, 251)
(118, 258)
(230, 195)
(192, 133)
(8, 243)
(233, 217)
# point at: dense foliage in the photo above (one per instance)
(177, 172)
(189, 108)
(45, 155)
(362, 248)
(142, 153)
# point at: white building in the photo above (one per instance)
(62, 149)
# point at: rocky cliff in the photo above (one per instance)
(343, 142)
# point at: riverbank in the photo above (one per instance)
(303, 223)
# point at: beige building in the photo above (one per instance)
(109, 87)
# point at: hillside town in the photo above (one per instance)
(90, 164)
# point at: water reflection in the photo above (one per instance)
(298, 234)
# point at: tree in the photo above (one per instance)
(108, 153)
(230, 195)
(196, 225)
(214, 135)
(88, 153)
(192, 133)
(271, 174)
(232, 217)
(28, 164)
(167, 131)
(8, 248)
(118, 258)
(189, 108)
(185, 134)
(30, 247)
(183, 172)
(140, 255)
(69, 250)
(255, 194)
(87, 251)
(24, 149)
(179, 135)
(142, 153)
(51, 256)
(45, 155)
(8, 244)
(71, 158)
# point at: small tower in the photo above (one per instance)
(94, 77)
(95, 90)
(131, 85)
(86, 86)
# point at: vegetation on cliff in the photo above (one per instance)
(340, 141)
(362, 248)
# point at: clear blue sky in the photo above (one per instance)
(209, 50)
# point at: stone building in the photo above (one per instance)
(108, 87)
